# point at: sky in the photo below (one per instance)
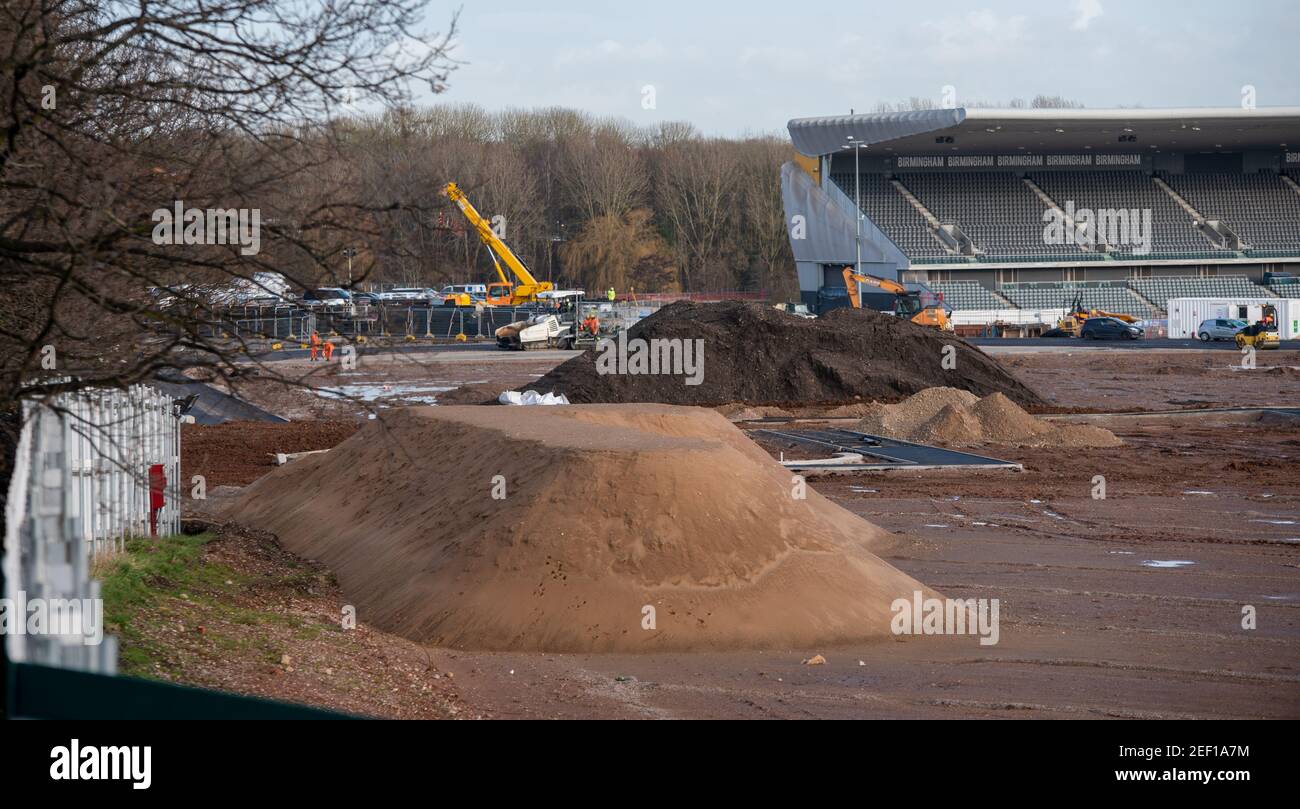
(737, 68)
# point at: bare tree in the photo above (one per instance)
(120, 117)
(695, 194)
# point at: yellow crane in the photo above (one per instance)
(906, 304)
(524, 289)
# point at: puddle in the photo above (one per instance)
(1122, 553)
(418, 393)
(1275, 522)
(861, 490)
(937, 526)
(1194, 492)
(1166, 565)
(1054, 515)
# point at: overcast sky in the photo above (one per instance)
(747, 67)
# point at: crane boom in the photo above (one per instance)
(526, 287)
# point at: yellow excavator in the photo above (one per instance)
(906, 303)
(504, 292)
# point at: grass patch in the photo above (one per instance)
(149, 575)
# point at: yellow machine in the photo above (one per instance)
(1072, 323)
(1263, 335)
(907, 304)
(504, 292)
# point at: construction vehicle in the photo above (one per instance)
(504, 292)
(562, 323)
(907, 304)
(1072, 323)
(1262, 336)
(538, 331)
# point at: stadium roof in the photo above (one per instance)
(987, 131)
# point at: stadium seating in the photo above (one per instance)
(996, 210)
(1285, 287)
(1173, 229)
(1261, 208)
(893, 214)
(1160, 290)
(1110, 296)
(967, 295)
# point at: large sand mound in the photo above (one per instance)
(756, 355)
(956, 417)
(608, 509)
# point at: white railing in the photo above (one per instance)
(84, 480)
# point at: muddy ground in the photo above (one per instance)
(1098, 618)
(1116, 379)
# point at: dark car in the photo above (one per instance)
(1108, 328)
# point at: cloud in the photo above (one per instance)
(610, 51)
(1087, 11)
(976, 36)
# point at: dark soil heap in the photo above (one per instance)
(755, 354)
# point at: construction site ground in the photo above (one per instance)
(1127, 606)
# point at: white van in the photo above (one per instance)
(473, 290)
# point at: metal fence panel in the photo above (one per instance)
(80, 488)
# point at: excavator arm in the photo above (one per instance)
(526, 287)
(852, 279)
(908, 304)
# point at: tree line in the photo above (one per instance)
(586, 202)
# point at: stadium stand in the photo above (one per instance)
(892, 214)
(1160, 290)
(967, 295)
(996, 210)
(1285, 287)
(1262, 209)
(1111, 296)
(1173, 229)
(994, 173)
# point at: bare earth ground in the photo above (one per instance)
(1091, 625)
(1116, 379)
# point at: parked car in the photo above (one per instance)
(1219, 329)
(327, 298)
(366, 298)
(408, 295)
(1109, 328)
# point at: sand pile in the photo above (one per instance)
(957, 417)
(754, 354)
(607, 510)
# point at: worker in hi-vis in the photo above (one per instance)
(315, 346)
(611, 295)
(329, 350)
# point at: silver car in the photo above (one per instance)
(1219, 329)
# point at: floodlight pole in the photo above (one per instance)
(857, 191)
